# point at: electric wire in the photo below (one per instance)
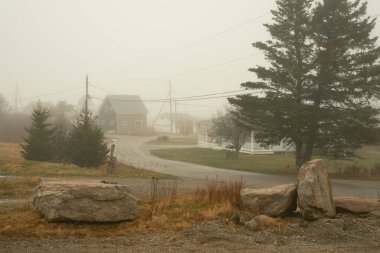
(194, 98)
(189, 72)
(198, 41)
(50, 94)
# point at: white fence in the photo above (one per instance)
(250, 147)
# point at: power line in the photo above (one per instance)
(51, 94)
(187, 72)
(207, 98)
(194, 105)
(198, 41)
(193, 98)
(214, 66)
(179, 98)
(212, 94)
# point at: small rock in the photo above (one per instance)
(356, 205)
(294, 225)
(335, 222)
(304, 224)
(245, 218)
(251, 225)
(266, 221)
(235, 218)
(374, 214)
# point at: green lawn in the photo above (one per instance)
(277, 163)
(174, 141)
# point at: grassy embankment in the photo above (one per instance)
(363, 166)
(163, 211)
(13, 164)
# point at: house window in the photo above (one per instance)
(124, 123)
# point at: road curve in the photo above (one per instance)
(132, 150)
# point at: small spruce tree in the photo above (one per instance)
(59, 143)
(38, 144)
(85, 145)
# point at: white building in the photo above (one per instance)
(183, 123)
(250, 147)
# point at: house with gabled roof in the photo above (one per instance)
(123, 114)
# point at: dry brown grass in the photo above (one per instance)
(18, 187)
(221, 192)
(171, 212)
(25, 222)
(12, 163)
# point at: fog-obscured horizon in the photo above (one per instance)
(132, 48)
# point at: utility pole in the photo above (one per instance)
(16, 100)
(175, 115)
(171, 109)
(19, 95)
(86, 105)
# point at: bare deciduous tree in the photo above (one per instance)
(226, 128)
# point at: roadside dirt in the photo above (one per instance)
(346, 234)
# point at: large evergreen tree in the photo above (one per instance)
(38, 144)
(85, 143)
(347, 78)
(324, 70)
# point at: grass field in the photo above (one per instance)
(17, 188)
(175, 141)
(362, 167)
(13, 164)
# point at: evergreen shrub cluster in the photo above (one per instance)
(83, 144)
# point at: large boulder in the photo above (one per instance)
(277, 201)
(85, 202)
(314, 191)
(356, 205)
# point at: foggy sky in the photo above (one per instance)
(48, 46)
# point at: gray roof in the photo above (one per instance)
(127, 104)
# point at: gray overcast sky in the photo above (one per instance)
(49, 46)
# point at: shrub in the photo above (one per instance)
(85, 143)
(38, 144)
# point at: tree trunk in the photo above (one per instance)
(312, 134)
(299, 155)
(308, 154)
(236, 157)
